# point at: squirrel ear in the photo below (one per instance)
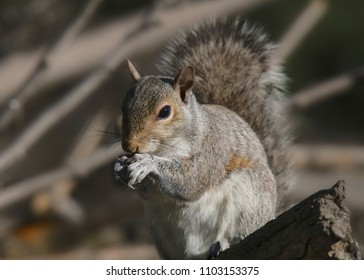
(132, 71)
(184, 81)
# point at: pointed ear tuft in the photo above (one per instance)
(184, 81)
(132, 71)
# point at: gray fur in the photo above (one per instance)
(234, 69)
(204, 172)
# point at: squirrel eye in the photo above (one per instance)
(165, 112)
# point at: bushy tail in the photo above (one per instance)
(234, 69)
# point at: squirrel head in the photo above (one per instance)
(156, 112)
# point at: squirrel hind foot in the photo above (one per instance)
(214, 250)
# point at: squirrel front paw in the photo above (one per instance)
(133, 170)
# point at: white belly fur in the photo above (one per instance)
(226, 213)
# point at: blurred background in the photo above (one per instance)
(63, 74)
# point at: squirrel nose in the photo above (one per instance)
(129, 147)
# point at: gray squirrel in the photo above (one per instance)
(207, 141)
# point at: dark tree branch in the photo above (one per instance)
(316, 228)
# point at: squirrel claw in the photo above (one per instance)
(119, 171)
(214, 250)
(138, 170)
(118, 168)
(131, 186)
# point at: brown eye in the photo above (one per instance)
(165, 112)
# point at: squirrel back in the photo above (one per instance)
(234, 68)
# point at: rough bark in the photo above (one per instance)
(316, 228)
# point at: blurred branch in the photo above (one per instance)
(300, 28)
(57, 112)
(28, 89)
(59, 197)
(70, 101)
(328, 156)
(71, 170)
(326, 89)
(169, 21)
(78, 25)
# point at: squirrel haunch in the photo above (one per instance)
(208, 141)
